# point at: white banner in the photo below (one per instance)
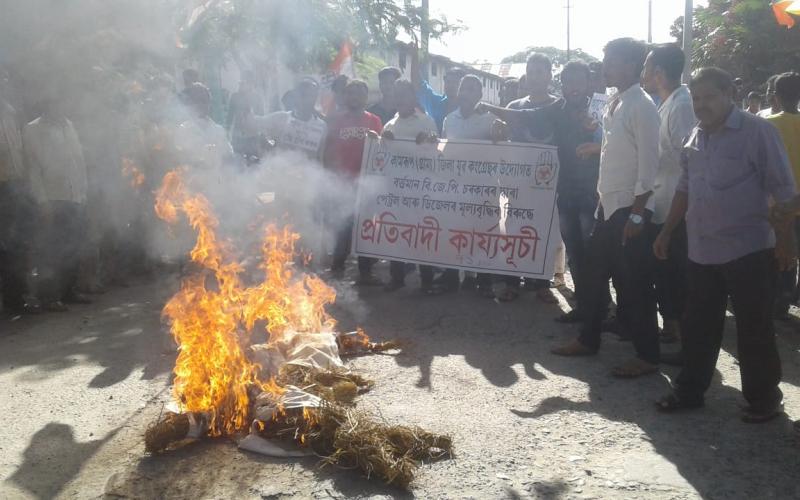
(471, 205)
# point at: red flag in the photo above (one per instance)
(783, 18)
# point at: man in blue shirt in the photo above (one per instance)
(437, 106)
(733, 166)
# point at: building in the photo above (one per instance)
(438, 66)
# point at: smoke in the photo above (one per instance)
(111, 67)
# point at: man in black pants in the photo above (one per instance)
(577, 178)
(662, 77)
(734, 164)
(620, 246)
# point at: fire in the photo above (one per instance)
(133, 173)
(214, 315)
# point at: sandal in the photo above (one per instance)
(546, 295)
(508, 295)
(574, 316)
(435, 290)
(574, 349)
(672, 403)
(752, 416)
(634, 369)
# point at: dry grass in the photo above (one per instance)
(347, 438)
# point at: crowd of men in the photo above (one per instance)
(681, 197)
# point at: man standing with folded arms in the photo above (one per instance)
(733, 165)
(620, 246)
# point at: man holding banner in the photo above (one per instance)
(343, 155)
(464, 203)
(410, 123)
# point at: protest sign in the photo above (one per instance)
(471, 205)
(597, 107)
(302, 135)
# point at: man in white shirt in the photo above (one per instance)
(467, 123)
(774, 104)
(410, 122)
(58, 178)
(620, 246)
(203, 141)
(300, 129)
(662, 77)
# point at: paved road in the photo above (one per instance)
(79, 388)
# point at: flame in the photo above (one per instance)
(213, 316)
(132, 172)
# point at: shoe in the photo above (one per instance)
(573, 349)
(76, 298)
(671, 403)
(368, 280)
(574, 316)
(754, 416)
(469, 283)
(25, 309)
(55, 306)
(393, 286)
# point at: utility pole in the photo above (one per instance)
(688, 37)
(425, 36)
(569, 51)
(649, 21)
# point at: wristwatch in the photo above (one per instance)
(636, 218)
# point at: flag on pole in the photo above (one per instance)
(781, 9)
(343, 64)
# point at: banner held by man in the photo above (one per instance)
(470, 205)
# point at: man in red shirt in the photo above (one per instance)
(344, 147)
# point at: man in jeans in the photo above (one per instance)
(733, 165)
(620, 246)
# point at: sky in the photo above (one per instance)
(500, 28)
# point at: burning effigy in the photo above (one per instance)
(262, 361)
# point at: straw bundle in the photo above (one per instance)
(171, 429)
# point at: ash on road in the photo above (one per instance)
(78, 389)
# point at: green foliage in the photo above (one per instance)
(558, 56)
(742, 37)
(304, 34)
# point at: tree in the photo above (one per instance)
(558, 56)
(742, 37)
(303, 34)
